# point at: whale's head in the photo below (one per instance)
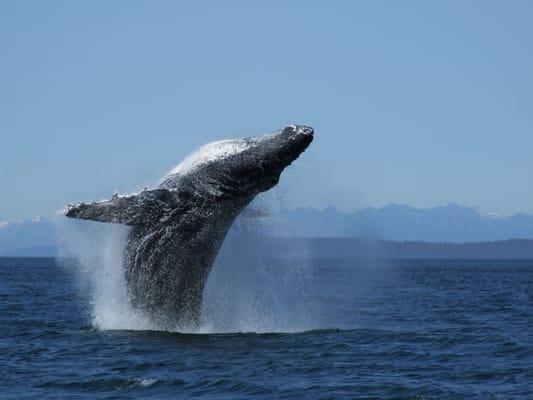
(241, 167)
(258, 167)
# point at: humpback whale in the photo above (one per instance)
(178, 227)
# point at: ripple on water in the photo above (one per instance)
(441, 336)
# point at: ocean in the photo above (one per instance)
(286, 329)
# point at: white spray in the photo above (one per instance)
(250, 291)
(97, 249)
(246, 291)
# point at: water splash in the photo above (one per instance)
(98, 250)
(247, 290)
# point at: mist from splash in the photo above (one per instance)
(97, 249)
(249, 290)
(246, 291)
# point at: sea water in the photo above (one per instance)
(425, 329)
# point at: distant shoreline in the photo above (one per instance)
(66, 261)
(356, 248)
(350, 248)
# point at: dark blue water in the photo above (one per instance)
(409, 329)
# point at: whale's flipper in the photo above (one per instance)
(143, 208)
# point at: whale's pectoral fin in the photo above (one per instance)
(138, 209)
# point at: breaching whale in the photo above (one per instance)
(179, 226)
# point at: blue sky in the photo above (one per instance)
(413, 102)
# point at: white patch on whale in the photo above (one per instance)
(210, 152)
(216, 151)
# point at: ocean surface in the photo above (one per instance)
(287, 329)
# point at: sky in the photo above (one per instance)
(414, 102)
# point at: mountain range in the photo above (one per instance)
(451, 223)
(399, 223)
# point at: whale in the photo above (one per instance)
(178, 227)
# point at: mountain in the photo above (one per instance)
(381, 227)
(28, 238)
(451, 223)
